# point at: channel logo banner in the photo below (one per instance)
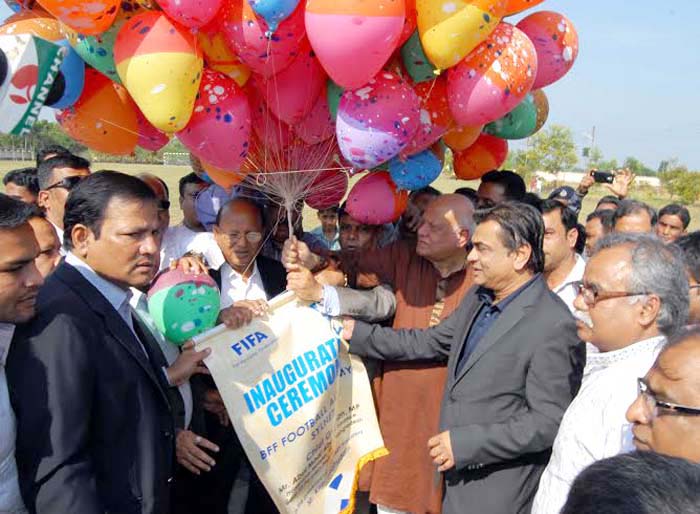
(300, 403)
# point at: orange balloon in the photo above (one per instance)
(38, 24)
(224, 178)
(219, 57)
(487, 153)
(88, 17)
(104, 117)
(461, 138)
(516, 6)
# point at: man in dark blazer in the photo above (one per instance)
(514, 365)
(87, 381)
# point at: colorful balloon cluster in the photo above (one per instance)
(385, 82)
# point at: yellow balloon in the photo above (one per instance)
(451, 29)
(161, 66)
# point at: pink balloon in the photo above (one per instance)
(377, 121)
(219, 130)
(328, 189)
(376, 200)
(353, 47)
(291, 94)
(273, 134)
(494, 78)
(250, 38)
(150, 138)
(191, 13)
(318, 125)
(556, 44)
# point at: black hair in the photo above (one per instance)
(580, 245)
(13, 212)
(608, 199)
(533, 199)
(675, 209)
(567, 216)
(190, 178)
(427, 190)
(690, 246)
(630, 207)
(45, 168)
(23, 177)
(51, 150)
(636, 483)
(513, 184)
(333, 208)
(89, 200)
(606, 217)
(468, 192)
(521, 224)
(258, 208)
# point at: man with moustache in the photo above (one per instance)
(634, 294)
(95, 426)
(19, 285)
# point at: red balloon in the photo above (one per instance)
(251, 39)
(328, 189)
(375, 199)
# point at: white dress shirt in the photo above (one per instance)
(566, 290)
(179, 240)
(10, 498)
(59, 233)
(594, 426)
(235, 288)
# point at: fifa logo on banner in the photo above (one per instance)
(249, 342)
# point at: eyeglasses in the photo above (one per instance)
(694, 286)
(653, 404)
(251, 237)
(66, 183)
(591, 295)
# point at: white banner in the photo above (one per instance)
(301, 405)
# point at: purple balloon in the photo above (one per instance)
(377, 121)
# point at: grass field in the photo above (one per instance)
(171, 175)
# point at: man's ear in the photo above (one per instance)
(522, 257)
(572, 237)
(81, 237)
(42, 199)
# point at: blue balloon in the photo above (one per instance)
(73, 71)
(274, 11)
(416, 172)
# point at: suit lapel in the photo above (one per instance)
(113, 322)
(470, 316)
(505, 323)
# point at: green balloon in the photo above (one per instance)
(98, 52)
(184, 310)
(419, 67)
(519, 123)
(333, 94)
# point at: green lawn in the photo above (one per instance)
(171, 174)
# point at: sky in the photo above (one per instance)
(635, 78)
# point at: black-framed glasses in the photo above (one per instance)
(591, 295)
(653, 404)
(66, 183)
(694, 286)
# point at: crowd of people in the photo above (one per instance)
(522, 358)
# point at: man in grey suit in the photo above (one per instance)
(514, 365)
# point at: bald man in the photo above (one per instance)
(430, 276)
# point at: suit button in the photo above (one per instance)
(167, 434)
(170, 480)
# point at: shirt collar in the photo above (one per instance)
(574, 275)
(234, 275)
(486, 295)
(115, 295)
(7, 330)
(606, 359)
(59, 231)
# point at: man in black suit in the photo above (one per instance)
(514, 365)
(87, 381)
(246, 280)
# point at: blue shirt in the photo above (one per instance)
(487, 316)
(330, 244)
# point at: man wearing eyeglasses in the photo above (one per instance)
(246, 280)
(690, 246)
(634, 294)
(666, 414)
(57, 176)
